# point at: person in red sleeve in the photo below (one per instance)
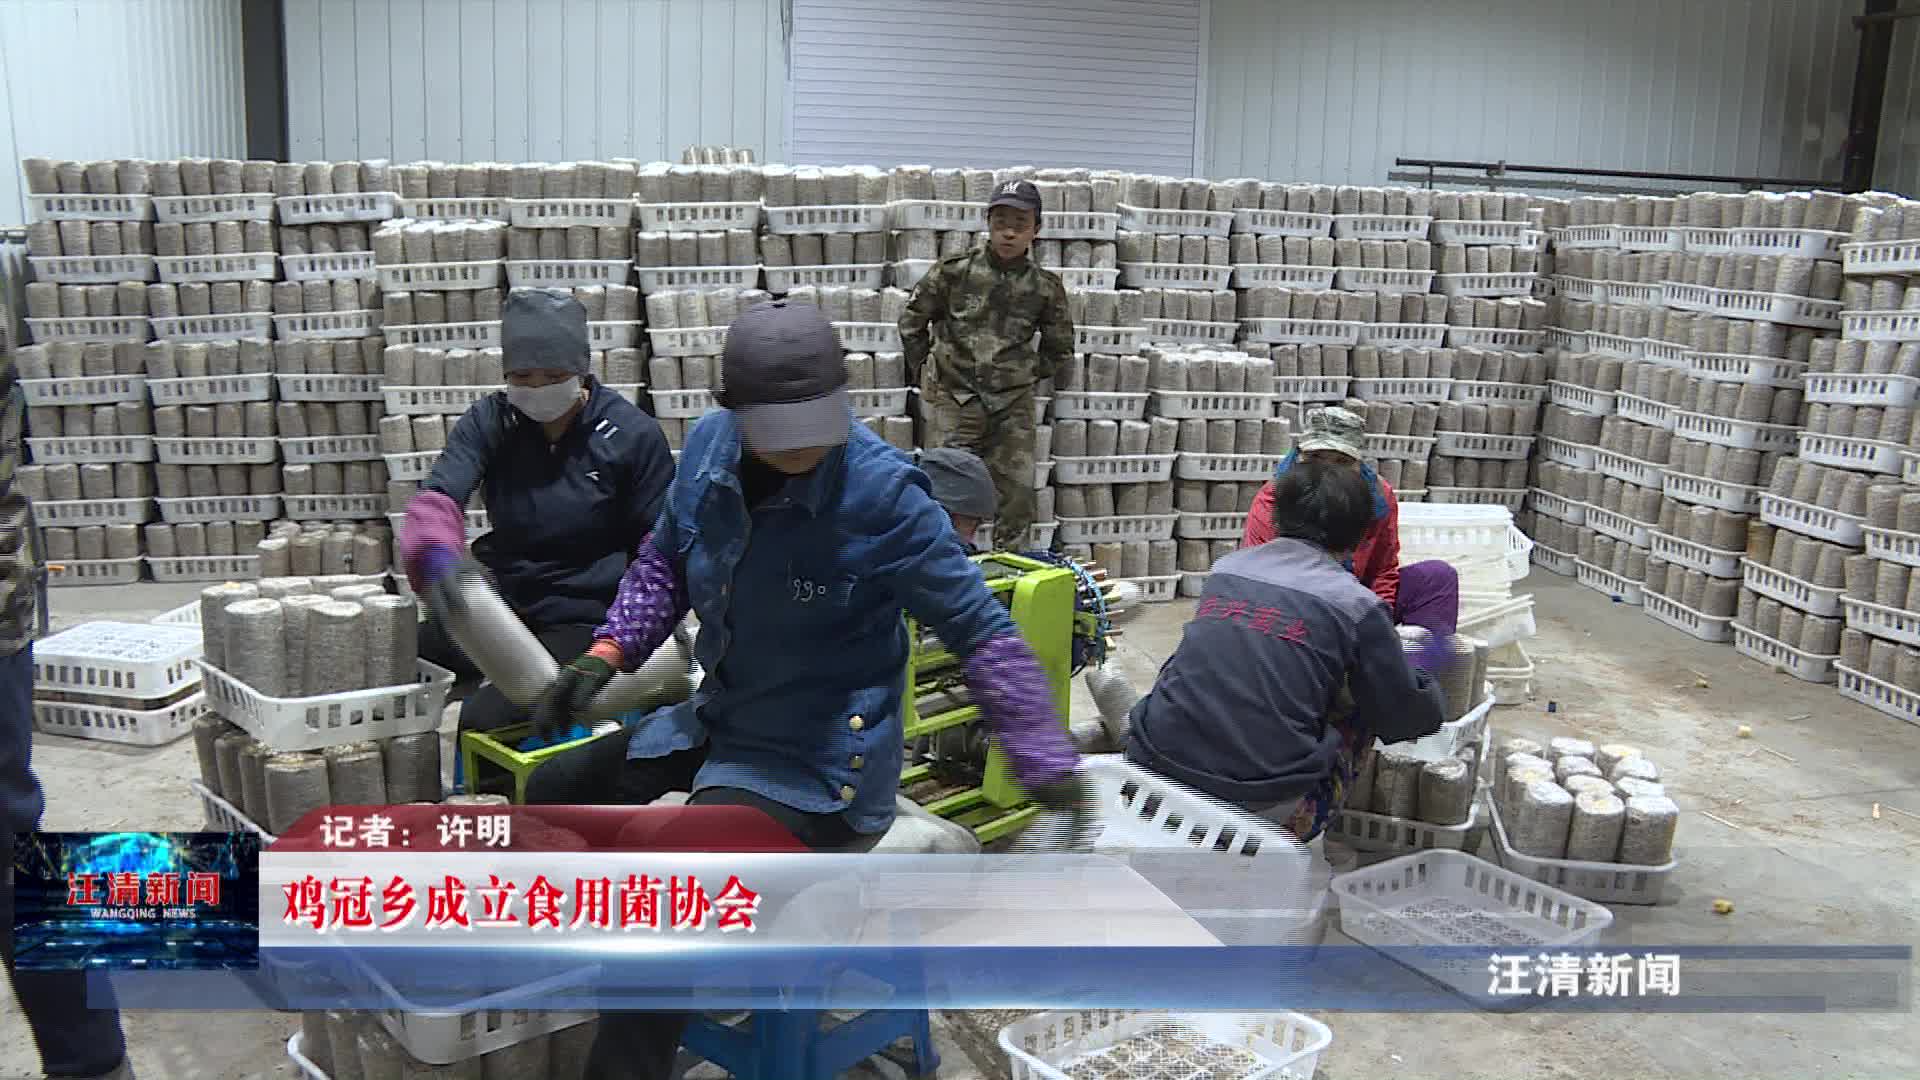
(1425, 594)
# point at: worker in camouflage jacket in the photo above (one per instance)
(968, 334)
(75, 1037)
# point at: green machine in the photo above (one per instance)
(953, 768)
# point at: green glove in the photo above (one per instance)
(568, 696)
(1072, 798)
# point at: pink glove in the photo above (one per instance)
(432, 539)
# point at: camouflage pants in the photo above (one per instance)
(1001, 436)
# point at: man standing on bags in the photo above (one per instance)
(968, 334)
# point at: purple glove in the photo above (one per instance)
(435, 527)
(1007, 683)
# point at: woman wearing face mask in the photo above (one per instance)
(571, 473)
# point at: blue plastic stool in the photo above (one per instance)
(791, 1045)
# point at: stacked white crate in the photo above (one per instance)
(88, 425)
(822, 227)
(1879, 361)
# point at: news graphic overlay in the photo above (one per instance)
(129, 901)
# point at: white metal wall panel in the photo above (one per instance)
(1306, 90)
(91, 79)
(533, 80)
(1896, 165)
(1095, 83)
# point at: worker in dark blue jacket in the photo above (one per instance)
(571, 474)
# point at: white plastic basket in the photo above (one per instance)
(454, 335)
(211, 389)
(1749, 304)
(938, 215)
(1481, 232)
(247, 266)
(1073, 277)
(1667, 354)
(1804, 243)
(1577, 455)
(1736, 434)
(131, 727)
(1282, 223)
(1645, 410)
(1291, 389)
(411, 468)
(826, 219)
(1841, 452)
(1498, 393)
(1760, 370)
(1625, 348)
(322, 448)
(1628, 470)
(1605, 882)
(329, 266)
(1488, 447)
(1277, 275)
(689, 341)
(1402, 335)
(681, 404)
(1191, 332)
(1619, 526)
(252, 324)
(868, 336)
(330, 387)
(1486, 285)
(191, 451)
(1648, 238)
(1892, 545)
(1634, 293)
(1404, 390)
(1581, 398)
(327, 324)
(313, 723)
(1512, 683)
(90, 207)
(1887, 623)
(455, 208)
(703, 216)
(1400, 447)
(1368, 279)
(91, 269)
(94, 571)
(223, 816)
(1833, 388)
(91, 328)
(891, 402)
(1881, 257)
(1245, 468)
(1301, 331)
(1499, 624)
(1555, 506)
(1063, 1045)
(1814, 521)
(248, 206)
(784, 279)
(1881, 696)
(1107, 339)
(1090, 405)
(205, 568)
(1804, 666)
(1077, 225)
(1381, 226)
(1553, 561)
(1483, 337)
(1156, 590)
(610, 334)
(1459, 533)
(566, 213)
(208, 508)
(1607, 583)
(1696, 624)
(1154, 275)
(1588, 290)
(567, 273)
(90, 390)
(139, 661)
(1784, 587)
(1176, 222)
(1696, 556)
(1881, 325)
(660, 278)
(1211, 405)
(1222, 526)
(1366, 831)
(76, 513)
(1136, 469)
(441, 276)
(1439, 898)
(334, 507)
(344, 206)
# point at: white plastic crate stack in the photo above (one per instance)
(89, 428)
(118, 682)
(1875, 369)
(1593, 820)
(1489, 554)
(823, 227)
(698, 226)
(935, 213)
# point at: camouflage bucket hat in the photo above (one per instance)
(1334, 428)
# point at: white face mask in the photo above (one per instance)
(545, 403)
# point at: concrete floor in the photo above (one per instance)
(1792, 841)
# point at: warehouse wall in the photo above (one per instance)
(1302, 89)
(1896, 165)
(103, 78)
(533, 80)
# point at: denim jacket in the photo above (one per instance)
(801, 635)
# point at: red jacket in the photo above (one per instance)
(1376, 562)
